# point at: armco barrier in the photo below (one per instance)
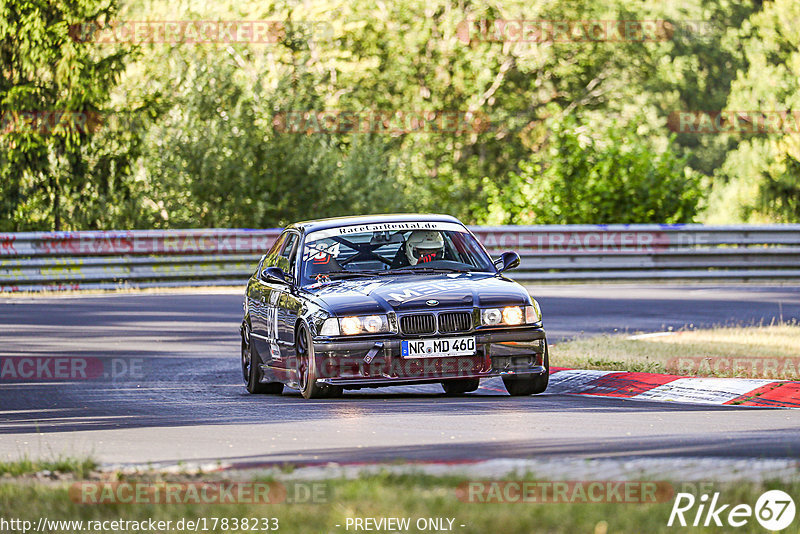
(148, 258)
(134, 258)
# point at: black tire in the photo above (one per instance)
(529, 384)
(307, 369)
(252, 373)
(460, 386)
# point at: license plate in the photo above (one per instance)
(438, 348)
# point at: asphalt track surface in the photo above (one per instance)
(185, 401)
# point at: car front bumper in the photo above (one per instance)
(378, 362)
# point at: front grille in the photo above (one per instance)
(418, 324)
(450, 322)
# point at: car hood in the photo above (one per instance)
(386, 293)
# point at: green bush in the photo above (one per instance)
(586, 176)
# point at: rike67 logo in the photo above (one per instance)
(774, 510)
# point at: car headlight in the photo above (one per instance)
(511, 315)
(350, 325)
(366, 324)
(491, 317)
(330, 327)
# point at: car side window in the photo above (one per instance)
(272, 255)
(260, 265)
(284, 260)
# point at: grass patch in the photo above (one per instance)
(387, 495)
(766, 351)
(78, 467)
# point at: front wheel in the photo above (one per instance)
(307, 369)
(529, 384)
(251, 372)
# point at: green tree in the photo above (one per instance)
(760, 180)
(569, 120)
(50, 176)
(213, 158)
(594, 176)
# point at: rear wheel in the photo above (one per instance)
(460, 386)
(529, 384)
(251, 372)
(307, 369)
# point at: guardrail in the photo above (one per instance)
(37, 261)
(649, 251)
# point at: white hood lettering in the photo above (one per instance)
(428, 289)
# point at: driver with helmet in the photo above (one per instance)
(421, 246)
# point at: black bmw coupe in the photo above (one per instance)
(384, 300)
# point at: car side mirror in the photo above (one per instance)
(275, 274)
(507, 261)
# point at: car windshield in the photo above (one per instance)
(376, 249)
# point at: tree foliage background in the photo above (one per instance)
(577, 130)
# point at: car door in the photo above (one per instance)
(264, 298)
(286, 313)
(291, 303)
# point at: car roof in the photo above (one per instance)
(336, 222)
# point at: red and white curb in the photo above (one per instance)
(674, 388)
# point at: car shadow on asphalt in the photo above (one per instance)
(538, 447)
(130, 405)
